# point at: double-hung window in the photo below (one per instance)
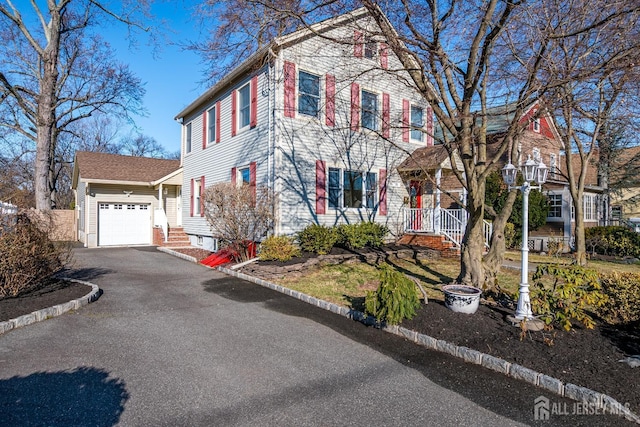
(417, 123)
(244, 106)
(589, 207)
(370, 49)
(197, 193)
(188, 138)
(555, 206)
(308, 94)
(211, 125)
(369, 110)
(352, 189)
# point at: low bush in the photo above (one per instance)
(28, 258)
(318, 239)
(572, 291)
(357, 236)
(623, 297)
(614, 241)
(395, 299)
(278, 248)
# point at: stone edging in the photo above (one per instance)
(56, 310)
(177, 254)
(513, 370)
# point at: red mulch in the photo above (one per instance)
(55, 293)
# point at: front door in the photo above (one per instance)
(415, 203)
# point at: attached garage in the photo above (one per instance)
(124, 224)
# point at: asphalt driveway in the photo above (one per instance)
(176, 344)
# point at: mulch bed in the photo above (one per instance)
(585, 357)
(58, 292)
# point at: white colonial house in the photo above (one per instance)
(320, 117)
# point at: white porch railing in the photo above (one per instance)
(448, 222)
(160, 220)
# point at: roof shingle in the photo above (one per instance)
(116, 167)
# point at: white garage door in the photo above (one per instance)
(124, 224)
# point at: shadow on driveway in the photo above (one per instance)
(83, 396)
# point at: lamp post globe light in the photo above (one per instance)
(532, 172)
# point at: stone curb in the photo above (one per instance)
(177, 254)
(554, 385)
(56, 310)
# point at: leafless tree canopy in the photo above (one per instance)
(55, 70)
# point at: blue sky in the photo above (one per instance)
(172, 76)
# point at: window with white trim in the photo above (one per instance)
(369, 110)
(211, 125)
(197, 191)
(589, 207)
(536, 124)
(555, 206)
(244, 106)
(417, 123)
(188, 138)
(352, 189)
(243, 177)
(308, 94)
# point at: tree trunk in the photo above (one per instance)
(495, 257)
(46, 117)
(471, 267)
(581, 246)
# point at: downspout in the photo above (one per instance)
(271, 161)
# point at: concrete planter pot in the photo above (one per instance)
(461, 298)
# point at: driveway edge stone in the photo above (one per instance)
(599, 400)
(56, 310)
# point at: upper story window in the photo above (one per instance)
(308, 94)
(555, 206)
(211, 125)
(417, 123)
(536, 125)
(188, 138)
(369, 110)
(244, 106)
(589, 207)
(370, 49)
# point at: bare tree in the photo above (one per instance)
(142, 146)
(55, 71)
(239, 215)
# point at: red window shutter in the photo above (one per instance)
(252, 179)
(382, 205)
(358, 44)
(385, 116)
(204, 129)
(254, 102)
(429, 126)
(234, 172)
(384, 56)
(405, 120)
(202, 195)
(321, 189)
(217, 122)
(289, 89)
(191, 197)
(234, 121)
(330, 88)
(355, 106)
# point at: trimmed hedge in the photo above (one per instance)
(278, 248)
(614, 241)
(321, 239)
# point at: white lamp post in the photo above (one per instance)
(532, 171)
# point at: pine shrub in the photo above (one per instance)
(395, 299)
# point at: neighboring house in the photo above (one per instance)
(318, 117)
(436, 195)
(120, 199)
(625, 184)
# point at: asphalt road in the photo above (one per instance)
(171, 343)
